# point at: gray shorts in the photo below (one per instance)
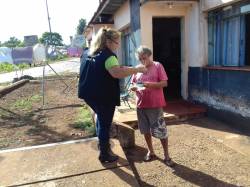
(151, 120)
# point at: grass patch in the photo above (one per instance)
(26, 104)
(6, 67)
(84, 120)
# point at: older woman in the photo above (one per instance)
(150, 100)
(99, 84)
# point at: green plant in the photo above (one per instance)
(6, 67)
(84, 120)
(53, 38)
(26, 104)
(23, 66)
(12, 42)
(81, 26)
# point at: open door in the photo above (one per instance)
(167, 50)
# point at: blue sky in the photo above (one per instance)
(29, 17)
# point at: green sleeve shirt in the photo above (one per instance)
(111, 62)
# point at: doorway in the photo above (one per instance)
(167, 51)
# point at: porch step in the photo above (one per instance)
(182, 110)
(174, 112)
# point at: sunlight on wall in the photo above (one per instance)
(226, 1)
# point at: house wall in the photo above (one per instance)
(122, 16)
(121, 22)
(211, 4)
(194, 50)
(224, 91)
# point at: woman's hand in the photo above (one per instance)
(141, 68)
(148, 84)
(155, 85)
(124, 71)
(133, 88)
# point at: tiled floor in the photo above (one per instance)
(182, 108)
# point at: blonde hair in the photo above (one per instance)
(99, 42)
(143, 50)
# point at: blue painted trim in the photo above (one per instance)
(242, 40)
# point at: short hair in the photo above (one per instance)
(143, 50)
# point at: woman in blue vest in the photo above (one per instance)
(99, 84)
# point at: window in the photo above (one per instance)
(229, 37)
(247, 52)
(128, 48)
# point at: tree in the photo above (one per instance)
(21, 44)
(53, 38)
(12, 42)
(81, 26)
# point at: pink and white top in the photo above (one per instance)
(150, 98)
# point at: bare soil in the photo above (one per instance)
(20, 126)
(201, 159)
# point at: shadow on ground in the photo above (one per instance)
(136, 154)
(212, 124)
(30, 128)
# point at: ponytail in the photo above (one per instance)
(100, 40)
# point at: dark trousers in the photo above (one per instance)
(105, 115)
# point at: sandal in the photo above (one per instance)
(149, 157)
(169, 162)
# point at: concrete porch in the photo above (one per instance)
(174, 111)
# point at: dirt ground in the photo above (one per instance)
(201, 160)
(24, 125)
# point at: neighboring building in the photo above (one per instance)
(30, 40)
(78, 41)
(203, 45)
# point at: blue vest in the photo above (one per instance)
(95, 82)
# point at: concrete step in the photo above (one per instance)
(72, 163)
(174, 112)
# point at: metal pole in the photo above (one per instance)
(51, 40)
(48, 16)
(43, 79)
(43, 83)
(46, 63)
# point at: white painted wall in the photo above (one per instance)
(197, 36)
(156, 9)
(212, 4)
(121, 22)
(194, 50)
(122, 16)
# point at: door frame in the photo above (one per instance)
(184, 63)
